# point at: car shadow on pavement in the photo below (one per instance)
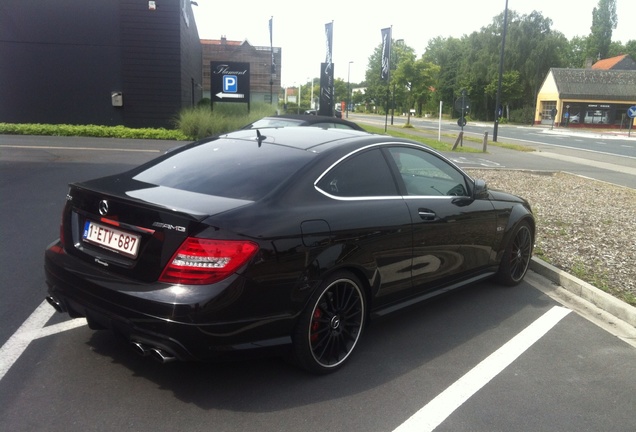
(445, 336)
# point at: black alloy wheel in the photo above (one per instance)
(516, 258)
(329, 329)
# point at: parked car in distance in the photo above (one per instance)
(291, 120)
(285, 240)
(595, 117)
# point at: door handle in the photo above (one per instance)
(427, 215)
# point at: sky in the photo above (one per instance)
(299, 26)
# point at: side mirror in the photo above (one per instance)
(480, 189)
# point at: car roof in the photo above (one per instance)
(310, 119)
(316, 140)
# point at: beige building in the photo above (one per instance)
(596, 97)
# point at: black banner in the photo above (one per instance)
(385, 72)
(329, 39)
(326, 104)
(326, 90)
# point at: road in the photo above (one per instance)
(482, 359)
(606, 157)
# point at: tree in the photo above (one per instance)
(416, 78)
(604, 20)
(576, 54)
(378, 90)
(630, 48)
(447, 55)
(511, 90)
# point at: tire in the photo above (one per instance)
(330, 327)
(516, 257)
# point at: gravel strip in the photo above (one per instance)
(584, 226)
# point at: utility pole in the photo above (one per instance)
(501, 62)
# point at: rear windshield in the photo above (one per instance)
(227, 168)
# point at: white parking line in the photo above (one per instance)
(437, 410)
(33, 328)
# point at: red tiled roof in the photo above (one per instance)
(609, 63)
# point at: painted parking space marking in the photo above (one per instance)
(480, 162)
(437, 410)
(33, 328)
(426, 419)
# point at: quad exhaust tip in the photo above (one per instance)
(55, 303)
(158, 354)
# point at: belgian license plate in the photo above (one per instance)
(111, 238)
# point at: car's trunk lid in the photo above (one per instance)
(133, 228)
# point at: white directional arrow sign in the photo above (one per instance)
(222, 95)
(632, 111)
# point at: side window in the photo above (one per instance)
(364, 174)
(424, 174)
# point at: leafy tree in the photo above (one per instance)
(446, 54)
(604, 20)
(416, 78)
(378, 90)
(630, 48)
(576, 53)
(511, 90)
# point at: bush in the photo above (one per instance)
(202, 121)
(90, 131)
(193, 123)
(523, 115)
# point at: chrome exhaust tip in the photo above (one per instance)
(162, 356)
(55, 303)
(140, 348)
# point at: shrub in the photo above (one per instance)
(90, 131)
(523, 115)
(202, 121)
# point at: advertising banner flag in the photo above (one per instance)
(327, 99)
(271, 44)
(386, 54)
(326, 104)
(329, 37)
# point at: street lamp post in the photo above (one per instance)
(311, 101)
(348, 90)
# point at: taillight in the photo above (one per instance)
(204, 261)
(62, 236)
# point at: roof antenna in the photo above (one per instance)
(260, 138)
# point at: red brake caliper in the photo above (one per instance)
(315, 325)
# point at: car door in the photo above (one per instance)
(369, 221)
(453, 234)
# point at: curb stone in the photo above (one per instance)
(586, 291)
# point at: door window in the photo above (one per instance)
(425, 174)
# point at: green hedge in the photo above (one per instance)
(91, 131)
(191, 124)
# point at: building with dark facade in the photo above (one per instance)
(263, 83)
(135, 63)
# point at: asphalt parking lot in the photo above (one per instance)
(536, 357)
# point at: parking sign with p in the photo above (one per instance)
(229, 82)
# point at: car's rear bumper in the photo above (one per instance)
(185, 330)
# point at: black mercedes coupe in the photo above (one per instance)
(286, 240)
